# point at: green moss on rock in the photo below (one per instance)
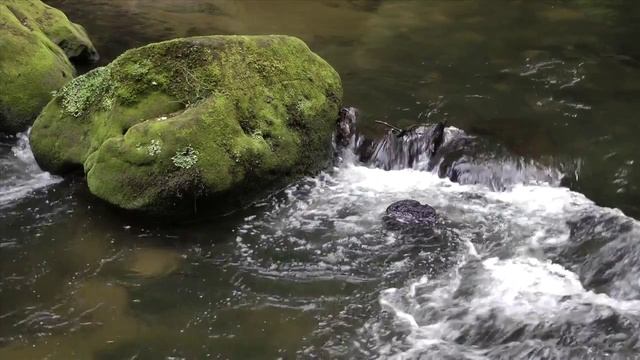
(36, 45)
(220, 117)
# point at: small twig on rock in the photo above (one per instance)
(393, 128)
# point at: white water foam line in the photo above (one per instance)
(22, 175)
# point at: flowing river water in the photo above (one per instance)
(543, 266)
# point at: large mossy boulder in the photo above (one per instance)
(37, 47)
(216, 117)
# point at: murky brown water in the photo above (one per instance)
(555, 81)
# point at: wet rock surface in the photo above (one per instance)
(409, 213)
(445, 150)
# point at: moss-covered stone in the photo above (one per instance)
(217, 117)
(36, 45)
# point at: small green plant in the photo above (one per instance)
(186, 158)
(138, 70)
(154, 148)
(303, 106)
(86, 91)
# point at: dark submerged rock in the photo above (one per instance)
(346, 126)
(447, 151)
(421, 236)
(603, 249)
(401, 149)
(409, 213)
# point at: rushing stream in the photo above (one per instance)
(529, 257)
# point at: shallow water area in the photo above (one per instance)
(535, 270)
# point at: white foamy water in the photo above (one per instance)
(20, 174)
(517, 288)
(517, 294)
(503, 280)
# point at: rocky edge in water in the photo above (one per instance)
(217, 117)
(38, 47)
(445, 150)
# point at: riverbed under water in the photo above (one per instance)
(534, 271)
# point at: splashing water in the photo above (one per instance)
(498, 276)
(20, 174)
(502, 274)
(446, 151)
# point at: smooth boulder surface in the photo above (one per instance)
(215, 117)
(37, 47)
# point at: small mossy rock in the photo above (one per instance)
(36, 45)
(216, 117)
